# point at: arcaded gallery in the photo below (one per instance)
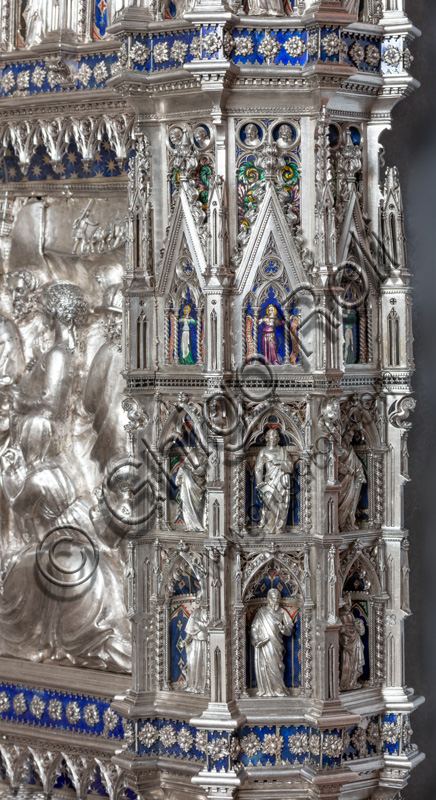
(205, 401)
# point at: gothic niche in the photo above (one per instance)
(186, 624)
(361, 634)
(272, 487)
(352, 473)
(273, 633)
(271, 317)
(360, 470)
(187, 470)
(356, 315)
(185, 316)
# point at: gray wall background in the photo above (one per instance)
(411, 146)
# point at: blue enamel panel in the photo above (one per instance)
(40, 713)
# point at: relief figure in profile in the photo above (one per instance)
(39, 620)
(191, 481)
(35, 485)
(85, 628)
(11, 352)
(351, 647)
(103, 391)
(196, 648)
(42, 397)
(273, 472)
(270, 624)
(23, 287)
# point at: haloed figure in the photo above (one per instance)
(270, 624)
(268, 343)
(186, 321)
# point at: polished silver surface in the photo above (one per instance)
(269, 626)
(205, 389)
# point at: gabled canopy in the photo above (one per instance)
(182, 235)
(270, 221)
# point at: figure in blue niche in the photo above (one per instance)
(196, 648)
(351, 339)
(269, 338)
(270, 624)
(186, 349)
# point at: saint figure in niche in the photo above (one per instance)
(191, 481)
(351, 647)
(349, 346)
(270, 624)
(196, 648)
(273, 478)
(186, 321)
(352, 477)
(268, 336)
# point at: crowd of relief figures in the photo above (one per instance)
(62, 424)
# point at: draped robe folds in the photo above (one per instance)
(83, 625)
(36, 22)
(186, 356)
(269, 342)
(352, 650)
(196, 648)
(102, 398)
(267, 631)
(352, 477)
(274, 489)
(191, 481)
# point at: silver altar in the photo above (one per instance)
(205, 387)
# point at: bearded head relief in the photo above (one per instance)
(22, 286)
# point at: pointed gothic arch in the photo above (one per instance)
(183, 457)
(357, 276)
(361, 583)
(272, 570)
(184, 582)
(286, 497)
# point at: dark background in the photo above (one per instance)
(411, 146)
